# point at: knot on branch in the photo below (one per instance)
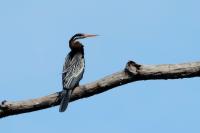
(132, 68)
(4, 105)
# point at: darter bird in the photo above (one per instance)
(73, 68)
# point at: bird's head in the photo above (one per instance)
(81, 36)
(73, 41)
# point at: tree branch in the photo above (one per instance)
(132, 72)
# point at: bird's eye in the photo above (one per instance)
(79, 34)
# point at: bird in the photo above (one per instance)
(73, 68)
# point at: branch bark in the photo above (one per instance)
(132, 72)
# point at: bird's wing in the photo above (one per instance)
(73, 71)
(67, 62)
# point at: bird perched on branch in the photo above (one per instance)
(73, 68)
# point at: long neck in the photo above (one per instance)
(76, 47)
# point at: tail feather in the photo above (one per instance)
(65, 100)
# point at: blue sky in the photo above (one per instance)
(34, 42)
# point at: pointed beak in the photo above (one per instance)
(89, 35)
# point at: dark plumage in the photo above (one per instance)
(73, 69)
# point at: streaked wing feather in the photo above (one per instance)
(73, 71)
(67, 62)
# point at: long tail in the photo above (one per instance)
(65, 100)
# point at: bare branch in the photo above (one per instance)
(132, 72)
